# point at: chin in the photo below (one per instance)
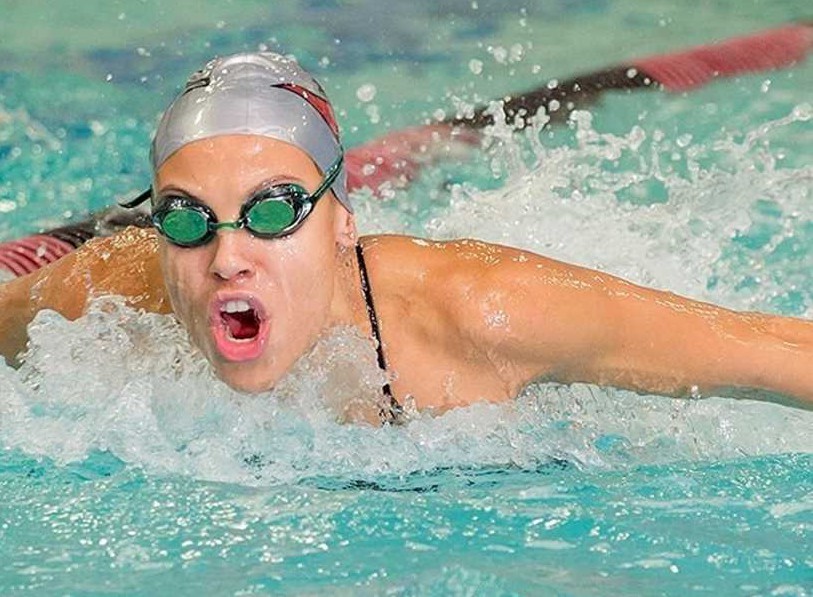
(249, 382)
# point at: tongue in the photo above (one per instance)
(242, 325)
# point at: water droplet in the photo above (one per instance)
(366, 93)
(517, 51)
(684, 140)
(803, 112)
(373, 113)
(476, 66)
(97, 128)
(499, 53)
(497, 319)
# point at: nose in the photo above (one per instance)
(232, 255)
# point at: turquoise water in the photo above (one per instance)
(126, 468)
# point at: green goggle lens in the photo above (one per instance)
(185, 225)
(269, 217)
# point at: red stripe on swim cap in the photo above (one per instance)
(319, 104)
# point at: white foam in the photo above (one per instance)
(129, 383)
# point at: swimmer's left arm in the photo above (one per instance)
(540, 318)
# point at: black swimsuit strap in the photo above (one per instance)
(388, 415)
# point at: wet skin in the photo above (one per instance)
(461, 321)
(297, 284)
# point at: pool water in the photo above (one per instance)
(126, 467)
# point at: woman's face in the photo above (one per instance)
(253, 306)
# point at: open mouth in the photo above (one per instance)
(241, 320)
(240, 327)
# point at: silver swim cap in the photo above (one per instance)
(254, 94)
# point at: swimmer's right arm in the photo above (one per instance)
(125, 264)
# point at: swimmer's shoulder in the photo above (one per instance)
(408, 260)
(444, 275)
(444, 297)
(464, 282)
(417, 283)
(461, 261)
(124, 264)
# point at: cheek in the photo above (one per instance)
(305, 268)
(301, 271)
(182, 272)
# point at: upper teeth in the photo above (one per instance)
(236, 306)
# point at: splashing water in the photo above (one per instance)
(572, 205)
(148, 397)
(128, 464)
(129, 383)
(128, 468)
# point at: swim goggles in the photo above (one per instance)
(272, 212)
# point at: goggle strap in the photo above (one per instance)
(330, 177)
(138, 200)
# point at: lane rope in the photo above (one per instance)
(395, 159)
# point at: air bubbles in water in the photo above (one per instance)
(366, 93)
(499, 53)
(803, 112)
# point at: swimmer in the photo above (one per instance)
(254, 249)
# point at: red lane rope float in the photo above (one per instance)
(766, 50)
(28, 254)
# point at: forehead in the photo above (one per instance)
(234, 158)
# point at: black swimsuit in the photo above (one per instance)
(389, 412)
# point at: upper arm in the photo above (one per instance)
(538, 317)
(535, 317)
